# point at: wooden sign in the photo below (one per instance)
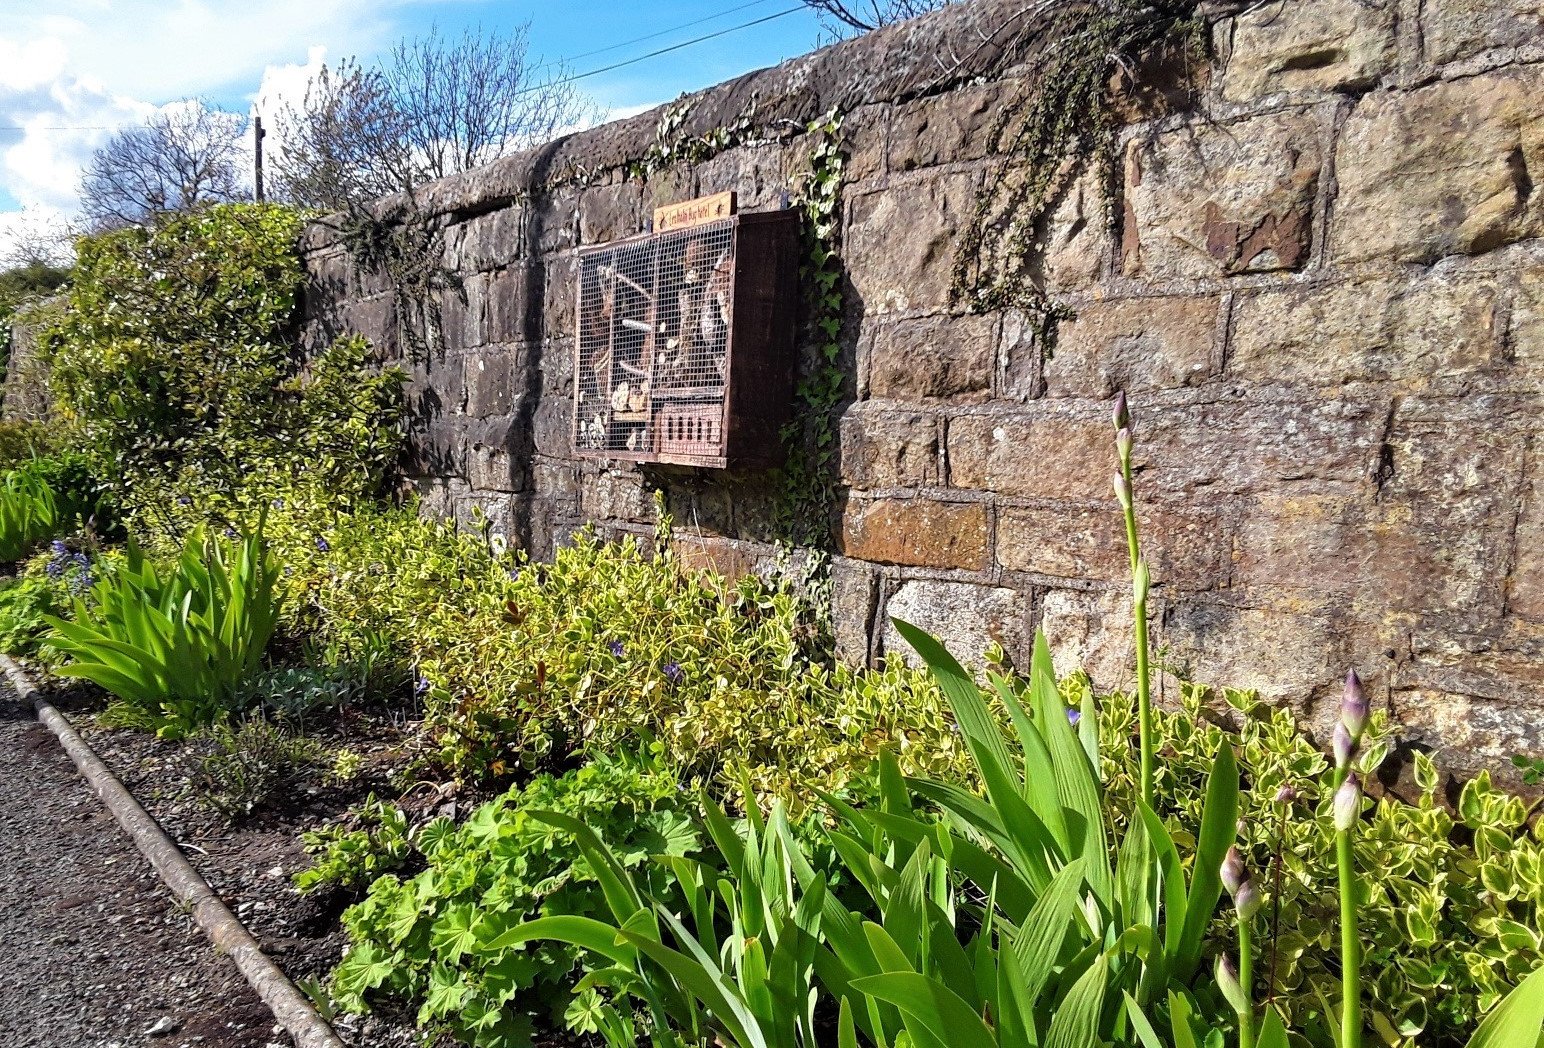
(694, 212)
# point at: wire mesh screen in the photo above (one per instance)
(655, 316)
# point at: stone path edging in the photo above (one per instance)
(291, 1008)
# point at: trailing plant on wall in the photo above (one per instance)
(1064, 121)
(809, 477)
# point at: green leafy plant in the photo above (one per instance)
(178, 367)
(438, 938)
(175, 643)
(26, 601)
(373, 841)
(293, 693)
(31, 512)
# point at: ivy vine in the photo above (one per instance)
(809, 475)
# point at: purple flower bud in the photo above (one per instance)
(323, 545)
(674, 672)
(1247, 901)
(1122, 414)
(1353, 708)
(1122, 490)
(615, 647)
(1123, 443)
(1234, 873)
(1343, 746)
(1348, 803)
(1286, 795)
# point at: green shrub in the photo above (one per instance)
(237, 768)
(428, 939)
(178, 366)
(293, 693)
(38, 502)
(175, 643)
(610, 643)
(22, 441)
(1449, 920)
(26, 601)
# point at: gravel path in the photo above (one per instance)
(93, 952)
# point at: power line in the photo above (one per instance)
(655, 36)
(662, 51)
(550, 84)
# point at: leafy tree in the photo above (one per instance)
(185, 156)
(438, 105)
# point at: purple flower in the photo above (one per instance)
(674, 673)
(278, 503)
(184, 500)
(420, 685)
(615, 647)
(1121, 415)
(1286, 795)
(1073, 716)
(1353, 708)
(59, 547)
(231, 533)
(323, 545)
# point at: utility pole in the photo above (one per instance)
(257, 143)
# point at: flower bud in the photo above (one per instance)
(1343, 746)
(1286, 795)
(1227, 982)
(1122, 491)
(1353, 708)
(1348, 803)
(1234, 872)
(1141, 582)
(1121, 414)
(1123, 443)
(1247, 901)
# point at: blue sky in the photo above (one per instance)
(73, 70)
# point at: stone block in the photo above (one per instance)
(553, 427)
(1468, 732)
(1525, 590)
(554, 219)
(1049, 453)
(1309, 45)
(946, 357)
(461, 313)
(1247, 441)
(610, 212)
(499, 517)
(945, 129)
(375, 319)
(757, 175)
(854, 602)
(966, 617)
(560, 297)
(1188, 548)
(890, 448)
(1076, 244)
(1524, 337)
(497, 455)
(509, 290)
(1455, 29)
(1442, 170)
(917, 532)
(719, 556)
(495, 379)
(1133, 344)
(488, 241)
(611, 495)
(437, 385)
(669, 185)
(1090, 630)
(865, 137)
(1365, 330)
(1020, 358)
(1212, 200)
(901, 242)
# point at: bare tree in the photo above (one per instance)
(437, 106)
(184, 156)
(36, 237)
(848, 16)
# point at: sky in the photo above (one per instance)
(73, 71)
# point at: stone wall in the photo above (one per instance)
(1323, 290)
